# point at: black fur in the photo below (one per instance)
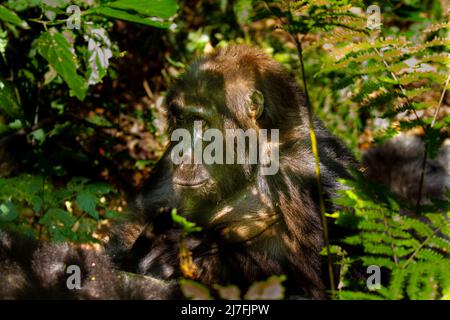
(37, 270)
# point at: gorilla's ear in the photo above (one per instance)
(256, 105)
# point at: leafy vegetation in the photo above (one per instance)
(82, 83)
(412, 250)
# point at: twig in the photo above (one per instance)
(433, 122)
(410, 259)
(315, 151)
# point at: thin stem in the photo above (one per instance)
(410, 259)
(422, 177)
(315, 151)
(440, 101)
(41, 21)
(317, 167)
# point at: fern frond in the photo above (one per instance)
(429, 284)
(419, 76)
(443, 58)
(437, 27)
(378, 249)
(421, 228)
(379, 261)
(353, 295)
(354, 48)
(429, 255)
(440, 243)
(437, 42)
(440, 222)
(413, 288)
(382, 100)
(398, 278)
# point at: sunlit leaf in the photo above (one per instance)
(55, 48)
(9, 16)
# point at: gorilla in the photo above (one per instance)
(255, 222)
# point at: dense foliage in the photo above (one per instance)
(82, 84)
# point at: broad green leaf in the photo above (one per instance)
(9, 16)
(55, 215)
(8, 212)
(57, 51)
(124, 15)
(163, 9)
(38, 135)
(21, 5)
(87, 202)
(9, 103)
(37, 203)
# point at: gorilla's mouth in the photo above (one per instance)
(189, 183)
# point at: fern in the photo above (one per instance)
(393, 74)
(414, 251)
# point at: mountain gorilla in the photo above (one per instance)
(253, 224)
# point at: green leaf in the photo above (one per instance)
(59, 54)
(55, 215)
(8, 212)
(151, 8)
(87, 202)
(9, 16)
(38, 135)
(76, 184)
(185, 224)
(123, 15)
(9, 103)
(37, 203)
(99, 188)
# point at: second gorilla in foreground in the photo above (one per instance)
(253, 225)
